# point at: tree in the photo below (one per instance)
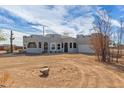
(101, 39)
(120, 33)
(2, 36)
(11, 42)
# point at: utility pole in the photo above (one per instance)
(11, 41)
(44, 28)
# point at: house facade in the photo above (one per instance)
(54, 43)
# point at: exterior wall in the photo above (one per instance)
(82, 43)
(34, 50)
(84, 49)
(70, 40)
(72, 50)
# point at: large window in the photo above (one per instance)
(70, 45)
(32, 45)
(58, 46)
(74, 45)
(53, 46)
(39, 44)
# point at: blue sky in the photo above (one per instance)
(27, 20)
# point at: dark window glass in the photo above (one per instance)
(58, 46)
(24, 47)
(39, 44)
(62, 45)
(74, 45)
(70, 45)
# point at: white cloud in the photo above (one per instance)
(115, 23)
(54, 18)
(51, 17)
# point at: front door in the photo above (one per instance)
(66, 47)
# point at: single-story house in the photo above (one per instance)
(53, 43)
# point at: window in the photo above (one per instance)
(24, 47)
(45, 46)
(74, 45)
(58, 46)
(70, 45)
(53, 47)
(39, 44)
(62, 45)
(32, 45)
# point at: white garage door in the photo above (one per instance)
(84, 49)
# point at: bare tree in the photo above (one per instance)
(102, 28)
(119, 37)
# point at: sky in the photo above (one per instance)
(28, 20)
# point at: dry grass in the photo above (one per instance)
(4, 78)
(66, 70)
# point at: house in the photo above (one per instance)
(54, 43)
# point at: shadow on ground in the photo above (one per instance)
(44, 54)
(115, 66)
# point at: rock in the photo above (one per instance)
(45, 71)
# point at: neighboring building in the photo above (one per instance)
(52, 43)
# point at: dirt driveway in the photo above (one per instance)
(66, 70)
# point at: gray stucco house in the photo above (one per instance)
(54, 43)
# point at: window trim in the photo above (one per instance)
(51, 46)
(74, 45)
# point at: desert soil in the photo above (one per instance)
(66, 70)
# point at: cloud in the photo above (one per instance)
(27, 19)
(115, 22)
(52, 17)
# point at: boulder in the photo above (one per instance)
(45, 71)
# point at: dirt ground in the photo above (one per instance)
(66, 70)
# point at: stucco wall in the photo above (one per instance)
(84, 49)
(82, 43)
(34, 50)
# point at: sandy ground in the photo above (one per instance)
(66, 70)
